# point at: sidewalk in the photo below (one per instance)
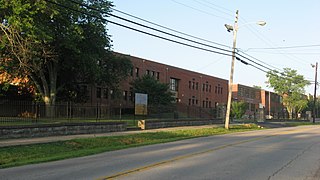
(37, 140)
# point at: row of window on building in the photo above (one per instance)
(105, 93)
(148, 72)
(206, 87)
(205, 103)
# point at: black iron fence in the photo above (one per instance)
(20, 112)
(13, 112)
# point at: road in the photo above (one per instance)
(281, 153)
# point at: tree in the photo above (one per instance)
(257, 87)
(290, 86)
(158, 93)
(56, 47)
(238, 109)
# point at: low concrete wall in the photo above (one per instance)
(42, 130)
(156, 124)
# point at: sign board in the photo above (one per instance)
(141, 104)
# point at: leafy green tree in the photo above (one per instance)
(238, 109)
(56, 47)
(158, 93)
(311, 104)
(290, 86)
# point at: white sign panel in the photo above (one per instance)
(141, 104)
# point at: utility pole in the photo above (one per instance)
(315, 93)
(235, 30)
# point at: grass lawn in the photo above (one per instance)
(36, 153)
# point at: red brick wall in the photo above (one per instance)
(204, 90)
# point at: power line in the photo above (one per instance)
(290, 53)
(179, 37)
(286, 47)
(202, 11)
(154, 29)
(208, 5)
(144, 32)
(259, 60)
(227, 10)
(170, 29)
(157, 36)
(170, 34)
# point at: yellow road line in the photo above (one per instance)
(143, 168)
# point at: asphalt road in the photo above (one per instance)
(281, 153)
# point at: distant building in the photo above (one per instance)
(250, 95)
(257, 99)
(272, 104)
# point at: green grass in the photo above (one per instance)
(36, 153)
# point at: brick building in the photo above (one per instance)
(258, 99)
(190, 89)
(249, 95)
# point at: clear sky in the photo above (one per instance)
(289, 23)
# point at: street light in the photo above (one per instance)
(235, 30)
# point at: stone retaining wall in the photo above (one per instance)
(42, 130)
(156, 124)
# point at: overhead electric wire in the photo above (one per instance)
(170, 34)
(200, 10)
(285, 47)
(209, 6)
(144, 32)
(258, 59)
(160, 37)
(170, 29)
(154, 29)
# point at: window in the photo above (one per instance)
(98, 92)
(147, 72)
(84, 89)
(158, 75)
(174, 83)
(137, 72)
(189, 84)
(131, 95)
(253, 107)
(131, 72)
(153, 73)
(125, 95)
(197, 85)
(105, 93)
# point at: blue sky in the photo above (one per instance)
(289, 23)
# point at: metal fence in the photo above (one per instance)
(16, 112)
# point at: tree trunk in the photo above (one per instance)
(290, 112)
